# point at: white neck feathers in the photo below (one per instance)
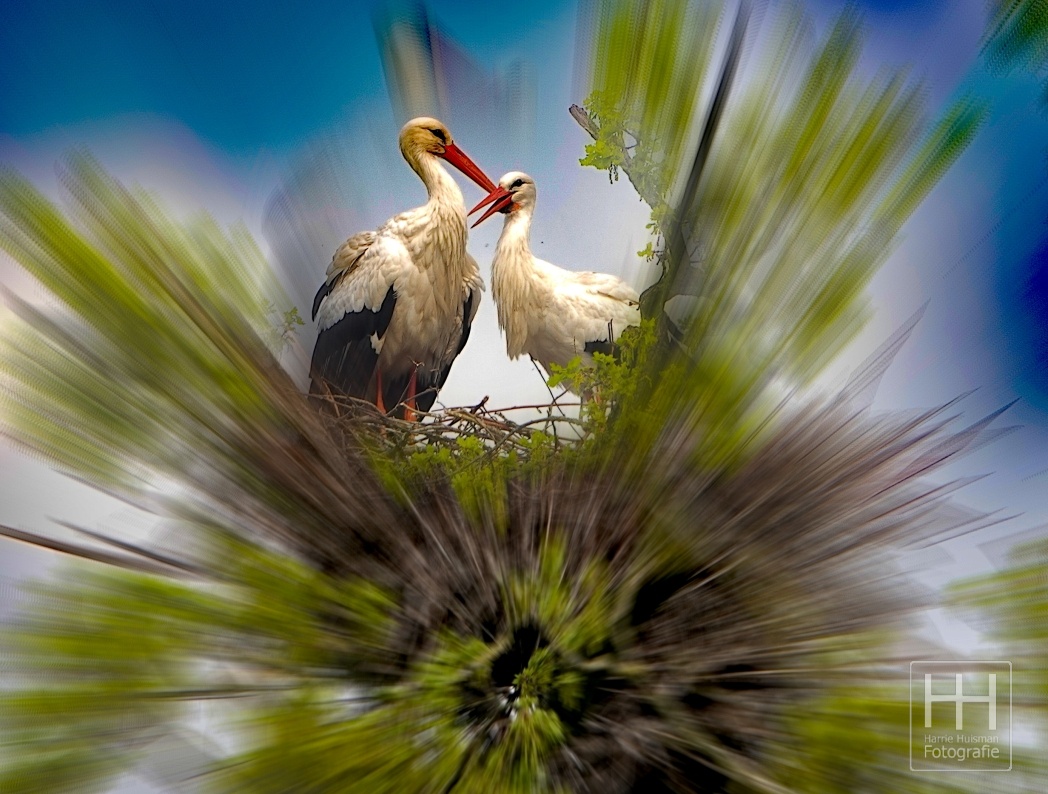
(444, 245)
(440, 185)
(514, 282)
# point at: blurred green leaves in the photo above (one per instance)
(1012, 607)
(666, 603)
(450, 619)
(153, 375)
(649, 61)
(110, 660)
(812, 170)
(1017, 36)
(150, 306)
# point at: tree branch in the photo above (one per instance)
(593, 130)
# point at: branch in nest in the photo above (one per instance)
(357, 420)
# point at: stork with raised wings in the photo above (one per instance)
(546, 312)
(397, 304)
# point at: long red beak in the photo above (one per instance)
(502, 199)
(458, 158)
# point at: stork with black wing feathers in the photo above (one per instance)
(396, 307)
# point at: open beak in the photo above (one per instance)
(458, 158)
(499, 198)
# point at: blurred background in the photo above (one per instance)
(287, 119)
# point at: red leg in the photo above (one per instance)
(409, 411)
(378, 394)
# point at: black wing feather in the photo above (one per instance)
(343, 357)
(323, 292)
(605, 346)
(425, 399)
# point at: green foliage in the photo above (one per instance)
(141, 283)
(1017, 36)
(469, 604)
(612, 381)
(1012, 606)
(150, 376)
(811, 173)
(124, 652)
(649, 60)
(857, 738)
(285, 327)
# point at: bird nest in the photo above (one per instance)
(520, 431)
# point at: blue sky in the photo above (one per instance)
(244, 76)
(222, 105)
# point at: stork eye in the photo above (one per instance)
(518, 183)
(440, 135)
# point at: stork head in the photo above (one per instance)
(515, 191)
(428, 136)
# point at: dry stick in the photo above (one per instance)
(495, 430)
(545, 382)
(129, 562)
(553, 403)
(530, 407)
(553, 420)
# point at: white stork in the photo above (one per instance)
(549, 313)
(397, 304)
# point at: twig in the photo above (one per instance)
(130, 562)
(534, 406)
(571, 420)
(446, 427)
(593, 129)
(545, 382)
